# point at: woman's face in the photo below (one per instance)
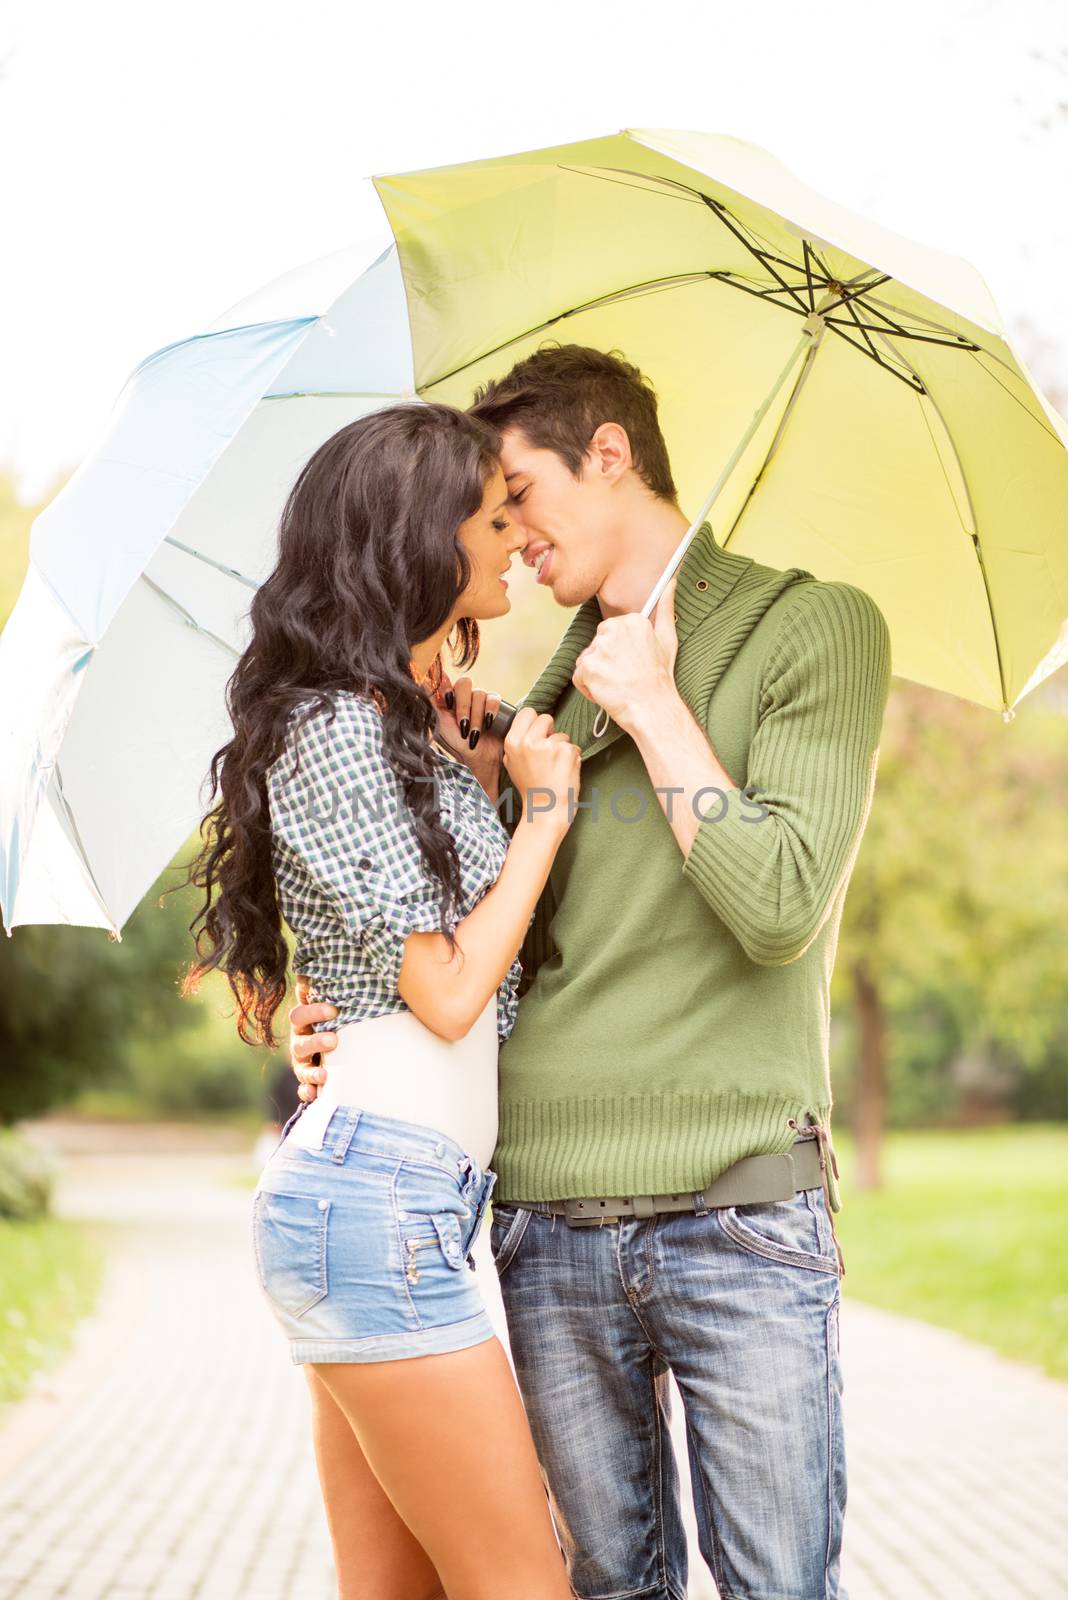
(491, 539)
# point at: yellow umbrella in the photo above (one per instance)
(847, 400)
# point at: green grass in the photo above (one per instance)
(967, 1232)
(49, 1276)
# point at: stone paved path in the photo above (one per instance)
(161, 1464)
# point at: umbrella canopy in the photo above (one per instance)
(849, 396)
(114, 661)
(846, 400)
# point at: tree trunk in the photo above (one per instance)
(869, 1105)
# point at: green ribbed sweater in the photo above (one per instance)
(674, 1011)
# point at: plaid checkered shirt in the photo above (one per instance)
(351, 880)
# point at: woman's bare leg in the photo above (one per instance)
(448, 1439)
(375, 1553)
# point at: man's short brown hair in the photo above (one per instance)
(561, 394)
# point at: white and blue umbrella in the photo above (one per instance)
(134, 609)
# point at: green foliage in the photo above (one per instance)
(958, 901)
(967, 1232)
(83, 1001)
(26, 1178)
(50, 1273)
(93, 1013)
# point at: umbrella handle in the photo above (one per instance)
(506, 716)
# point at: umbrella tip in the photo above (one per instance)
(1008, 714)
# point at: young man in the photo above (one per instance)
(663, 1198)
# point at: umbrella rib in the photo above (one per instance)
(973, 534)
(955, 340)
(808, 274)
(762, 255)
(76, 839)
(860, 325)
(634, 291)
(334, 394)
(969, 533)
(909, 378)
(187, 616)
(702, 199)
(956, 343)
(776, 439)
(1039, 421)
(991, 355)
(220, 566)
(580, 172)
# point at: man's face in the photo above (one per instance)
(567, 520)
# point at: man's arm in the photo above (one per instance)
(812, 763)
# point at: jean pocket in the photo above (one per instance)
(508, 1224)
(289, 1234)
(431, 1210)
(792, 1231)
(439, 1230)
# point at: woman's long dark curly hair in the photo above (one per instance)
(370, 563)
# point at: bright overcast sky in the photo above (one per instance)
(161, 162)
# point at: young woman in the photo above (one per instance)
(343, 811)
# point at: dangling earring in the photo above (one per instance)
(431, 682)
(468, 626)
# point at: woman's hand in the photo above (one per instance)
(545, 768)
(464, 716)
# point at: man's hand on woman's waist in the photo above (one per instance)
(304, 1043)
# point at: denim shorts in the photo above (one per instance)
(360, 1247)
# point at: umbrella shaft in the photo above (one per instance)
(803, 347)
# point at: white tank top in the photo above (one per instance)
(395, 1066)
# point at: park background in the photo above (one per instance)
(139, 218)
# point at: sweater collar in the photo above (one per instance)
(706, 577)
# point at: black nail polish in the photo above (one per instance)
(487, 721)
(475, 737)
(449, 698)
(465, 727)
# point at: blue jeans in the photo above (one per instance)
(741, 1303)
